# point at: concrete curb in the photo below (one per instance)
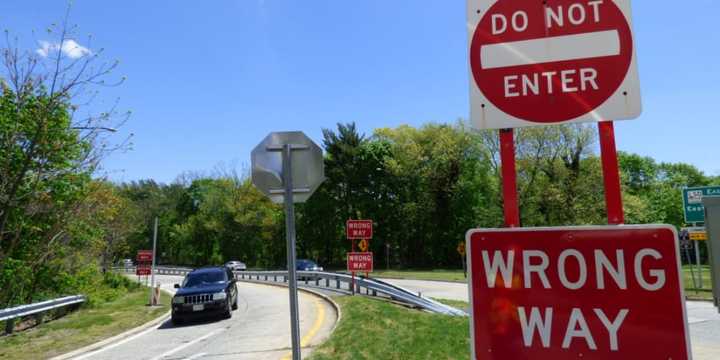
(102, 343)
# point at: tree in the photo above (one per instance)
(48, 152)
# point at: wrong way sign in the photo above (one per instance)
(359, 229)
(360, 262)
(550, 62)
(577, 293)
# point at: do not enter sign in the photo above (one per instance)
(552, 61)
(577, 293)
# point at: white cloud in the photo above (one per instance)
(69, 47)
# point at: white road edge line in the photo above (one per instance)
(198, 355)
(179, 348)
(116, 344)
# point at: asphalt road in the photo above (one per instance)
(703, 317)
(259, 329)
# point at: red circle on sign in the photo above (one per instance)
(535, 89)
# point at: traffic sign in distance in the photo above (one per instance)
(698, 235)
(142, 270)
(692, 202)
(360, 262)
(308, 169)
(359, 229)
(461, 249)
(549, 62)
(144, 256)
(577, 293)
(363, 245)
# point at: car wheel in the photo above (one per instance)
(176, 320)
(235, 303)
(228, 310)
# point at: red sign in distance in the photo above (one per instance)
(611, 292)
(142, 270)
(144, 256)
(359, 229)
(551, 61)
(360, 262)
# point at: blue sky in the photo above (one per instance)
(207, 80)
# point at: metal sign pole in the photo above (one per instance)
(353, 272)
(152, 269)
(689, 261)
(290, 233)
(697, 261)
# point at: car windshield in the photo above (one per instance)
(306, 263)
(209, 277)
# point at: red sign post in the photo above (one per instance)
(360, 262)
(359, 229)
(577, 293)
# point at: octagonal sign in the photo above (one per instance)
(306, 163)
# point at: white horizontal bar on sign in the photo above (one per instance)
(551, 49)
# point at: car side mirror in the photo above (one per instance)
(177, 286)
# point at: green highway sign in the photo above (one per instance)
(692, 202)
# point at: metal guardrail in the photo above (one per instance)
(343, 283)
(9, 315)
(159, 270)
(330, 281)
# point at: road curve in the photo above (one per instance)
(259, 329)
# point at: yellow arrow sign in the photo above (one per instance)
(461, 249)
(699, 236)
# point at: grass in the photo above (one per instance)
(462, 305)
(437, 275)
(375, 329)
(691, 291)
(83, 327)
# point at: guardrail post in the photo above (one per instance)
(39, 318)
(337, 282)
(374, 292)
(9, 326)
(327, 282)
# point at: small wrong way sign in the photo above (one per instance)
(545, 62)
(611, 292)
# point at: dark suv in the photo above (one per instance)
(205, 291)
